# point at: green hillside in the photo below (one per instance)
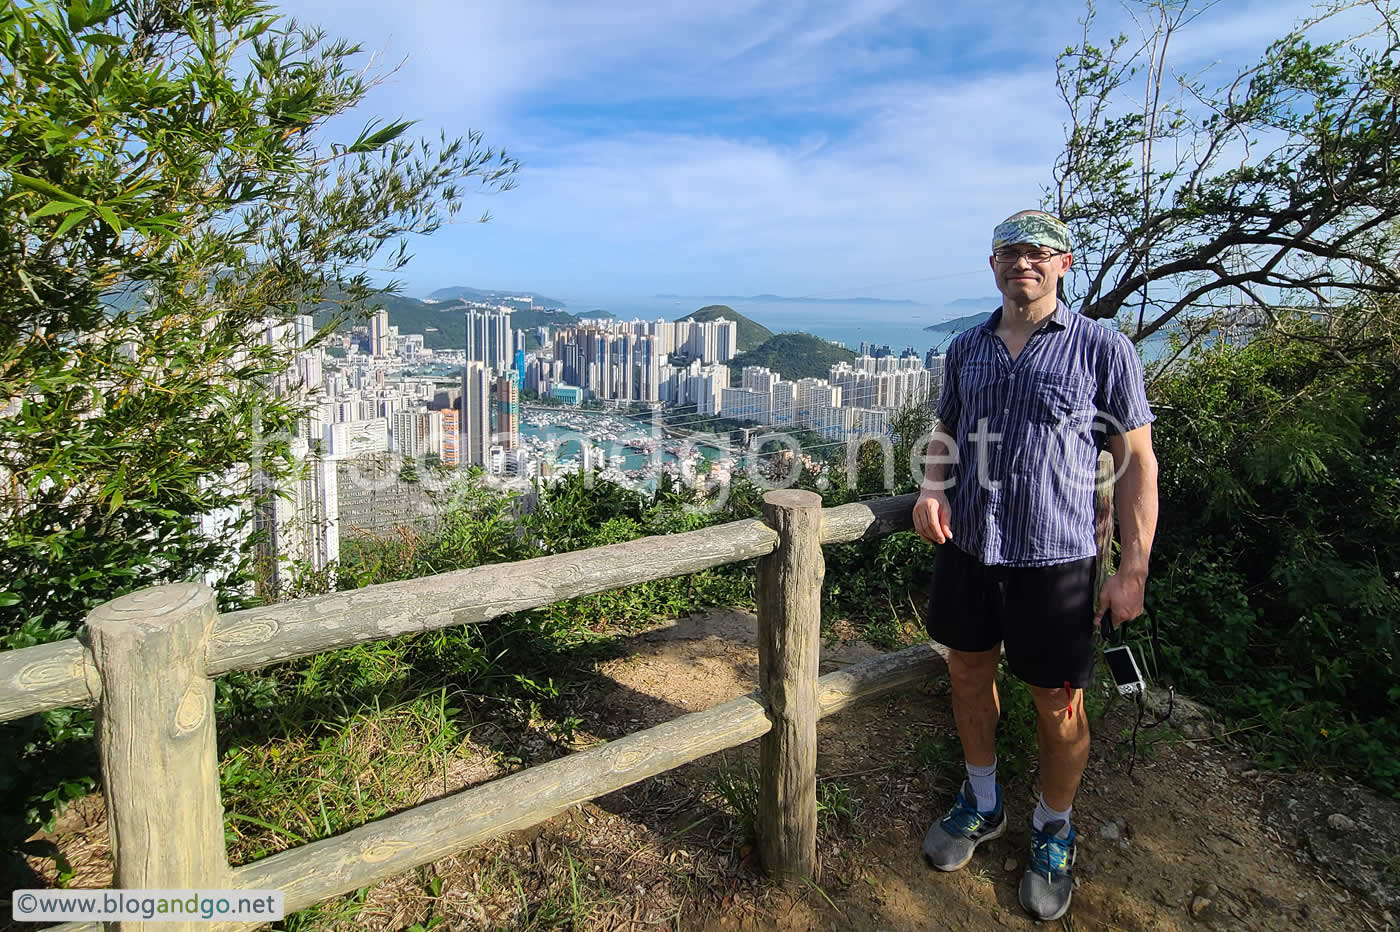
(793, 356)
(752, 334)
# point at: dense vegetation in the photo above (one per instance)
(168, 190)
(751, 332)
(793, 356)
(1277, 568)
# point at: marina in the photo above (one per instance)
(624, 449)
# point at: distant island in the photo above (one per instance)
(463, 293)
(993, 301)
(959, 324)
(780, 299)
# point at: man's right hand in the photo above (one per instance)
(933, 517)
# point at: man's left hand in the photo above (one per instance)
(1121, 598)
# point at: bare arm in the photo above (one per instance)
(937, 459)
(932, 514)
(1135, 464)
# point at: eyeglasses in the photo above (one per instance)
(1011, 256)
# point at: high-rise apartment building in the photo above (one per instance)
(475, 425)
(882, 382)
(628, 360)
(507, 389)
(417, 433)
(451, 437)
(490, 339)
(379, 334)
(299, 516)
(746, 406)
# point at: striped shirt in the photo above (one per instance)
(1028, 434)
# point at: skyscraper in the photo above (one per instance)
(507, 433)
(475, 424)
(451, 437)
(379, 333)
(490, 338)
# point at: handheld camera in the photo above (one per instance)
(1123, 665)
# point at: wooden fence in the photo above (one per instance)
(147, 660)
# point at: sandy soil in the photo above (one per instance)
(1198, 838)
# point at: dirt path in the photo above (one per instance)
(1198, 839)
(1187, 843)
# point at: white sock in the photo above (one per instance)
(984, 784)
(1044, 815)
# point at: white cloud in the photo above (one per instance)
(796, 146)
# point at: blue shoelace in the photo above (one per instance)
(1050, 854)
(963, 819)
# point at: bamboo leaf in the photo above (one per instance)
(70, 221)
(371, 141)
(53, 207)
(53, 190)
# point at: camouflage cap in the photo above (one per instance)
(1040, 229)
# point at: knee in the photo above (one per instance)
(972, 671)
(1061, 713)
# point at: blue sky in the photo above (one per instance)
(740, 146)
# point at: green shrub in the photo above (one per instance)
(1276, 576)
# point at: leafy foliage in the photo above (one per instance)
(167, 192)
(1275, 189)
(1277, 582)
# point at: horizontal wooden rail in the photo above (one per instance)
(788, 546)
(374, 852)
(59, 674)
(379, 850)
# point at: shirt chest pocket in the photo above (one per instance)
(1062, 400)
(979, 384)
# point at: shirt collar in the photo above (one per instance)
(1059, 320)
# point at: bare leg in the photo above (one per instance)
(976, 710)
(1062, 730)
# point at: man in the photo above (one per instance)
(1027, 400)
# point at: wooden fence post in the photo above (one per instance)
(160, 766)
(1103, 520)
(789, 645)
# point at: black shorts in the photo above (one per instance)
(1044, 614)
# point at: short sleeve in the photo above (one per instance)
(949, 401)
(1122, 396)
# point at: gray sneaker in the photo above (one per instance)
(1048, 883)
(951, 840)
